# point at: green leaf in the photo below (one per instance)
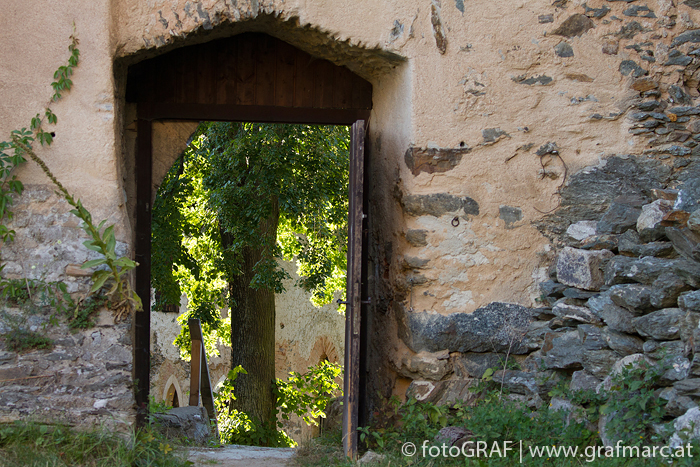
(109, 240)
(125, 262)
(98, 279)
(90, 245)
(93, 263)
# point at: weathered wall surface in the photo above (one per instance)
(304, 336)
(469, 200)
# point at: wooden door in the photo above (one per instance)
(351, 383)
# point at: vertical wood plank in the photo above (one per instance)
(189, 58)
(142, 286)
(225, 68)
(304, 85)
(206, 88)
(323, 84)
(285, 75)
(351, 381)
(361, 94)
(265, 71)
(195, 371)
(342, 88)
(245, 76)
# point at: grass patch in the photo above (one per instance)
(492, 421)
(25, 444)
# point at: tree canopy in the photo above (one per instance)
(213, 201)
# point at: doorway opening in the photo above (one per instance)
(266, 299)
(251, 77)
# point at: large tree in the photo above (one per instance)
(241, 197)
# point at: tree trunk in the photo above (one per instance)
(253, 331)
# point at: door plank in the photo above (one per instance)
(351, 383)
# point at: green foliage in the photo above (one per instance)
(25, 444)
(20, 339)
(114, 278)
(308, 394)
(230, 180)
(305, 395)
(632, 404)
(157, 407)
(37, 296)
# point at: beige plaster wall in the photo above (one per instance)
(428, 102)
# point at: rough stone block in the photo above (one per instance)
(690, 301)
(688, 387)
(425, 365)
(582, 380)
(473, 364)
(623, 270)
(599, 362)
(687, 427)
(666, 289)
(616, 317)
(579, 314)
(623, 343)
(518, 382)
(619, 218)
(581, 230)
(635, 298)
(685, 241)
(676, 404)
(649, 223)
(191, 423)
(496, 327)
(562, 351)
(655, 349)
(662, 325)
(592, 337)
(582, 268)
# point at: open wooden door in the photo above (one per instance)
(351, 383)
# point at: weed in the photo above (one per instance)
(23, 339)
(34, 445)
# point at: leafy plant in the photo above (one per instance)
(632, 404)
(14, 152)
(115, 277)
(21, 339)
(25, 444)
(305, 395)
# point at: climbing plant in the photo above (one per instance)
(114, 270)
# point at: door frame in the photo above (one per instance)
(354, 394)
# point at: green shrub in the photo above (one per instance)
(305, 395)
